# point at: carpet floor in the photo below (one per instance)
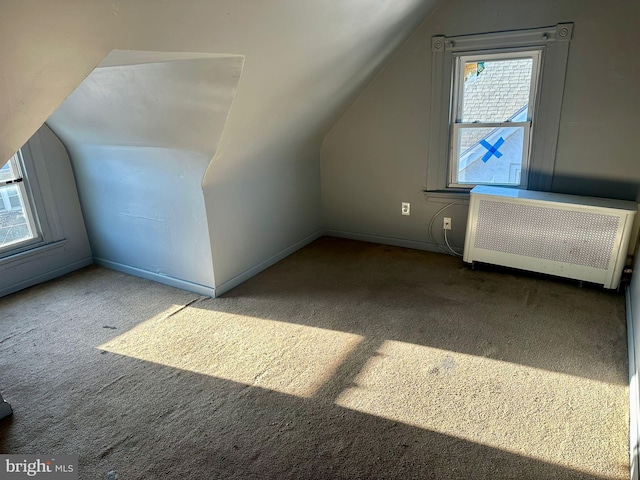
(345, 360)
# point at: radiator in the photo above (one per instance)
(582, 238)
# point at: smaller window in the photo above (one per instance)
(492, 117)
(18, 222)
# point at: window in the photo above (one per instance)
(18, 222)
(29, 220)
(495, 108)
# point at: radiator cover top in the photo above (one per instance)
(576, 237)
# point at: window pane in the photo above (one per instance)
(6, 172)
(489, 155)
(14, 225)
(496, 90)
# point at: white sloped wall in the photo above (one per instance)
(305, 61)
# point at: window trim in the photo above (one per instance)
(553, 42)
(35, 163)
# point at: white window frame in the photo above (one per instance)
(553, 45)
(457, 106)
(42, 204)
(21, 182)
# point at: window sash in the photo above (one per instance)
(454, 156)
(501, 54)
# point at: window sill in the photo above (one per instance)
(27, 255)
(446, 196)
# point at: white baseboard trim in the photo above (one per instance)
(634, 392)
(396, 242)
(156, 277)
(247, 274)
(46, 276)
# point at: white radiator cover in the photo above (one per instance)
(583, 238)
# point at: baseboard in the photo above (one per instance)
(634, 392)
(156, 277)
(396, 242)
(46, 276)
(247, 274)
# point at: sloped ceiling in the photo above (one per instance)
(179, 104)
(304, 63)
(305, 59)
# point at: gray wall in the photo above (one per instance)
(54, 174)
(633, 335)
(145, 213)
(141, 137)
(375, 156)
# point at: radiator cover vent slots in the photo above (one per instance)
(584, 238)
(574, 237)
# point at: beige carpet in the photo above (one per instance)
(346, 360)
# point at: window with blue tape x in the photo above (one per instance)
(493, 108)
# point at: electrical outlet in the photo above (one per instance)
(446, 224)
(406, 208)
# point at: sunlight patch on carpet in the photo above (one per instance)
(285, 357)
(531, 412)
